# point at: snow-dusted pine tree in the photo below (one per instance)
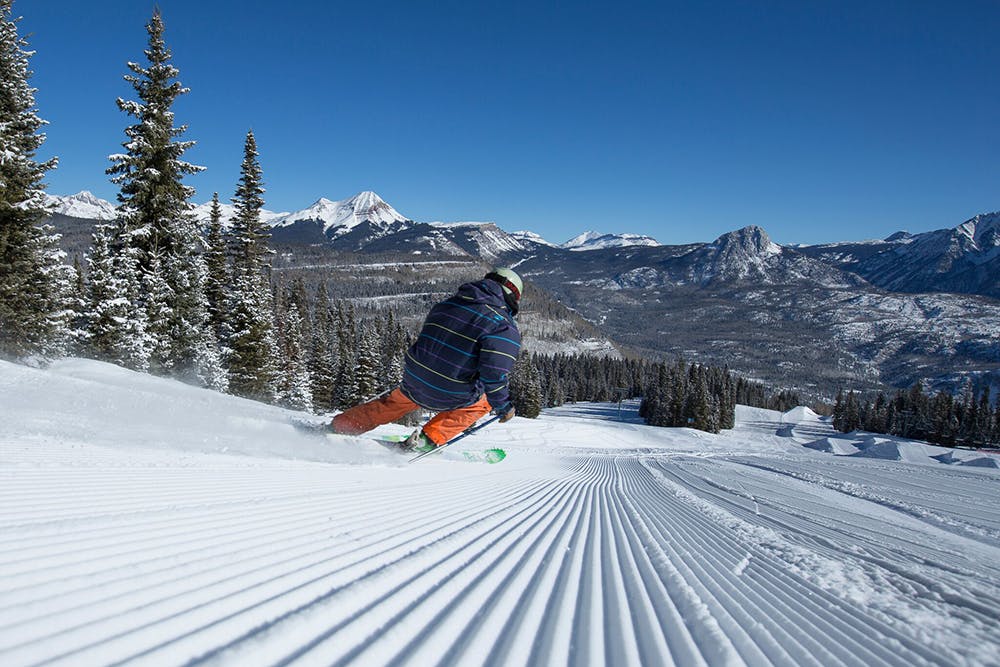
(394, 341)
(194, 352)
(78, 323)
(294, 387)
(158, 299)
(116, 333)
(347, 384)
(253, 348)
(155, 227)
(153, 197)
(368, 364)
(35, 285)
(323, 355)
(217, 283)
(526, 387)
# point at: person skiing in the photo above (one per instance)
(459, 366)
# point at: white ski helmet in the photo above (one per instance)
(510, 281)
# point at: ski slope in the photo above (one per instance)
(146, 522)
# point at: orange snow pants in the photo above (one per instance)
(440, 429)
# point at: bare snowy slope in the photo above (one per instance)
(146, 522)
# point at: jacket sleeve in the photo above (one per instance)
(497, 353)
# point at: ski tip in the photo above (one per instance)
(495, 455)
(390, 438)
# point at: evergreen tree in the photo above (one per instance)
(699, 409)
(838, 411)
(367, 365)
(323, 355)
(984, 417)
(678, 394)
(107, 305)
(152, 199)
(252, 361)
(253, 348)
(78, 323)
(156, 233)
(117, 330)
(217, 274)
(346, 384)
(294, 387)
(725, 391)
(34, 284)
(526, 387)
(995, 430)
(395, 342)
(249, 233)
(158, 311)
(968, 416)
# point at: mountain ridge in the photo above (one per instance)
(871, 313)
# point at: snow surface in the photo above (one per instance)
(148, 522)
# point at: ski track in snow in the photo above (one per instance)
(596, 542)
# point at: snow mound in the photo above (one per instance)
(981, 462)
(801, 414)
(830, 445)
(948, 458)
(746, 414)
(878, 448)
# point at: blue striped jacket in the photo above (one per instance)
(467, 346)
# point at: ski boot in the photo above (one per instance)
(418, 442)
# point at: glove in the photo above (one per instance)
(506, 413)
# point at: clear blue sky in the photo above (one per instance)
(819, 120)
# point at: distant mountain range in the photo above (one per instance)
(964, 259)
(815, 317)
(357, 221)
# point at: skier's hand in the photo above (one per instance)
(506, 413)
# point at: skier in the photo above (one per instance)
(458, 367)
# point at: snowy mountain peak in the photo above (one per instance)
(591, 240)
(342, 216)
(748, 254)
(750, 241)
(203, 213)
(983, 230)
(82, 205)
(526, 235)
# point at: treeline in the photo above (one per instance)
(970, 420)
(673, 394)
